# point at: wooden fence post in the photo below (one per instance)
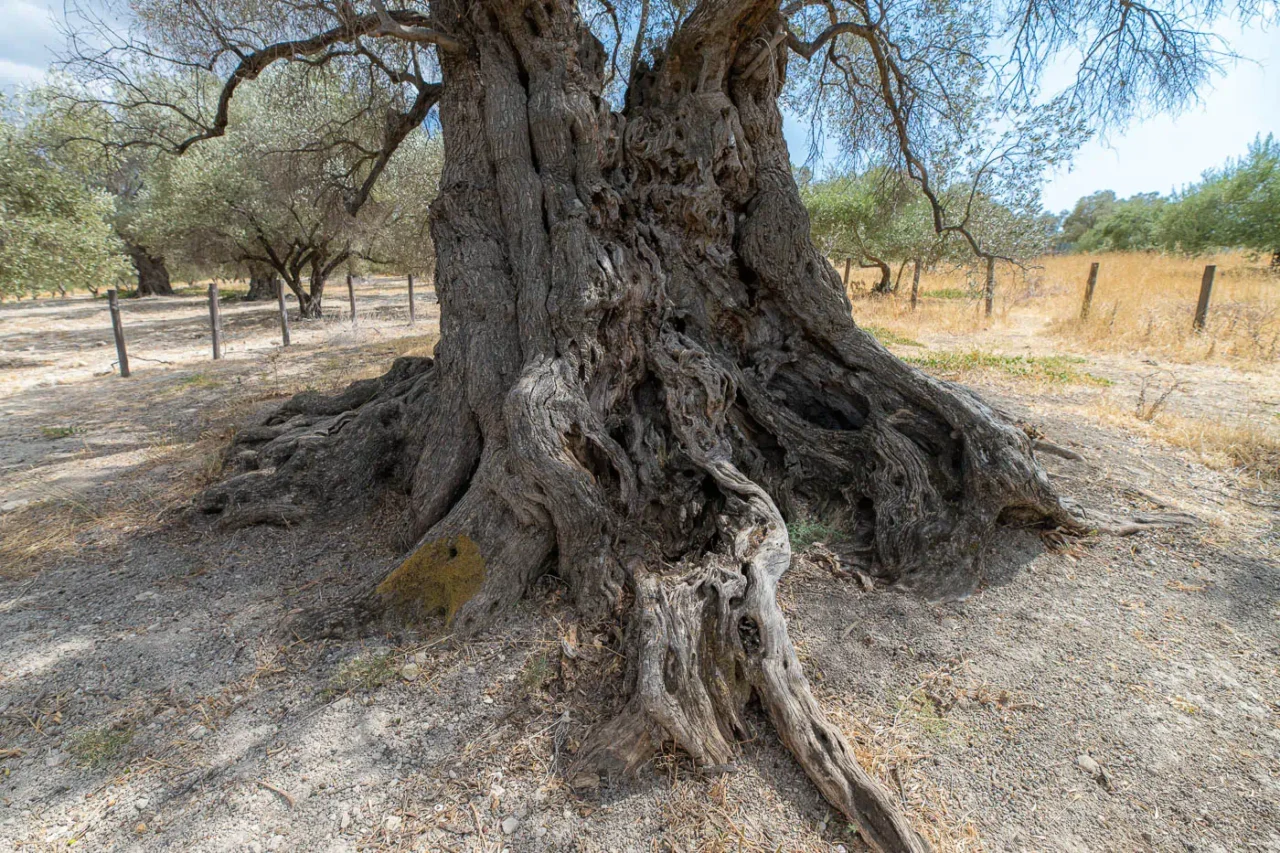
(915, 284)
(284, 313)
(411, 315)
(215, 320)
(990, 293)
(1088, 291)
(117, 328)
(1202, 306)
(351, 297)
(847, 263)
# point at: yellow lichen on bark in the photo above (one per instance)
(440, 576)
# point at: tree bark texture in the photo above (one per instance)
(308, 289)
(885, 284)
(264, 283)
(153, 275)
(989, 288)
(644, 367)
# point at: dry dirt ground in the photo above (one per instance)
(1102, 694)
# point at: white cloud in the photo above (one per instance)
(17, 74)
(29, 33)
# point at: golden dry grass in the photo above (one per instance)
(1143, 303)
(1146, 303)
(1248, 449)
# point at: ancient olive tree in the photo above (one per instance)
(644, 364)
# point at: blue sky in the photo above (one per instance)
(1159, 154)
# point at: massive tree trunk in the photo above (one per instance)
(153, 275)
(645, 367)
(264, 283)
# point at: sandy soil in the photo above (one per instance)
(1105, 694)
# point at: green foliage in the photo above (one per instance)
(1235, 207)
(1130, 225)
(270, 190)
(55, 233)
(1088, 212)
(1053, 369)
(807, 531)
(100, 747)
(876, 218)
(364, 672)
(951, 293)
(537, 670)
(881, 218)
(888, 336)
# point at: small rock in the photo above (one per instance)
(140, 828)
(510, 825)
(55, 758)
(393, 822)
(276, 842)
(345, 820)
(420, 658)
(410, 671)
(488, 700)
(1096, 770)
(199, 733)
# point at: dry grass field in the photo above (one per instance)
(1143, 303)
(1140, 320)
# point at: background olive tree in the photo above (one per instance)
(56, 234)
(269, 195)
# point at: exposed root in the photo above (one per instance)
(1048, 447)
(276, 514)
(325, 451)
(1142, 522)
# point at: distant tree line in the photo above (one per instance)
(84, 206)
(878, 219)
(1236, 206)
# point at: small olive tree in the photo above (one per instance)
(56, 234)
(267, 195)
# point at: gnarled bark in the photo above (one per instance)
(644, 366)
(264, 283)
(153, 275)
